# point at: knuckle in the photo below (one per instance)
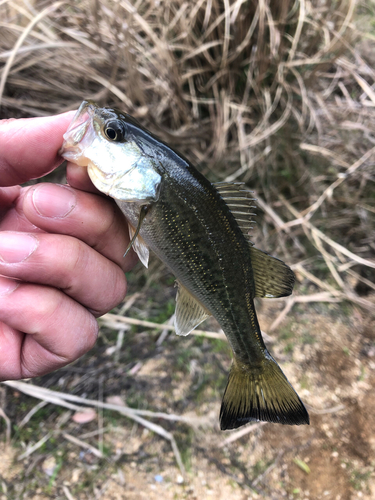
(107, 226)
(86, 336)
(88, 277)
(76, 264)
(45, 309)
(92, 333)
(113, 292)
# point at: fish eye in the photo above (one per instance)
(114, 131)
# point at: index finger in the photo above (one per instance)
(29, 147)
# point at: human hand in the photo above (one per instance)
(61, 253)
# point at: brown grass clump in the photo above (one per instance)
(272, 93)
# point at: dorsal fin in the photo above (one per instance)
(240, 202)
(272, 277)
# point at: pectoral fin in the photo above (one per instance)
(139, 247)
(272, 277)
(189, 312)
(136, 241)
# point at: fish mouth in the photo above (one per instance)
(79, 134)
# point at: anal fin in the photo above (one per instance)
(189, 312)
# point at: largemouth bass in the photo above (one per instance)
(200, 231)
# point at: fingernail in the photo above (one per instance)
(53, 200)
(7, 286)
(16, 247)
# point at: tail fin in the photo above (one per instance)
(260, 393)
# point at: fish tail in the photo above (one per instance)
(260, 393)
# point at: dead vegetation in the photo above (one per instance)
(278, 94)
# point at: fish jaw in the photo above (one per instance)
(79, 135)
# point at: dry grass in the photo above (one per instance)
(278, 94)
(265, 92)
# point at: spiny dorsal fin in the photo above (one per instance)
(139, 246)
(272, 277)
(189, 312)
(240, 202)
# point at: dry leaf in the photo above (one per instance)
(84, 417)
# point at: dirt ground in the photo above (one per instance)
(328, 354)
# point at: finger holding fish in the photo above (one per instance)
(52, 286)
(86, 276)
(78, 178)
(91, 218)
(31, 338)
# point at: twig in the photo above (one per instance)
(242, 432)
(290, 301)
(164, 332)
(335, 293)
(40, 46)
(288, 306)
(67, 493)
(307, 214)
(328, 260)
(129, 302)
(164, 326)
(367, 282)
(280, 225)
(298, 31)
(8, 425)
(112, 321)
(325, 238)
(325, 411)
(31, 413)
(60, 399)
(30, 450)
(269, 468)
(94, 433)
(83, 444)
(118, 346)
(100, 417)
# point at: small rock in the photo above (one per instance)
(49, 466)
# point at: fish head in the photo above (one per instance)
(103, 140)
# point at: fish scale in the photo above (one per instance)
(200, 231)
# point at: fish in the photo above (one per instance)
(200, 230)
